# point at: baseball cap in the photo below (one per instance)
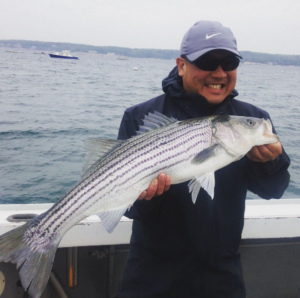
(206, 36)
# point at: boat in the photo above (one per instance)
(122, 58)
(13, 52)
(64, 55)
(89, 261)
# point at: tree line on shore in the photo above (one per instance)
(249, 57)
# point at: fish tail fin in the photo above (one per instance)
(35, 265)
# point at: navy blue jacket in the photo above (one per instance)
(180, 249)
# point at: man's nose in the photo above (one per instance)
(219, 72)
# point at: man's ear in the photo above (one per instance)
(181, 64)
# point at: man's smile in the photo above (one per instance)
(215, 86)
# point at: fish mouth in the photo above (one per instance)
(271, 136)
(268, 133)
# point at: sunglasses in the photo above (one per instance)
(211, 63)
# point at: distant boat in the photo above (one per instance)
(14, 52)
(122, 58)
(64, 55)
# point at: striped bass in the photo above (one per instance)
(186, 150)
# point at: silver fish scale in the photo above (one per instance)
(132, 165)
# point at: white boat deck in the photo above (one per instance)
(263, 219)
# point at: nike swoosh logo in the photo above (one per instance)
(210, 36)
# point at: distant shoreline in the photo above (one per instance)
(248, 57)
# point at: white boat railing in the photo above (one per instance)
(264, 219)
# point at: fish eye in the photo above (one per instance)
(250, 122)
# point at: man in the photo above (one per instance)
(181, 249)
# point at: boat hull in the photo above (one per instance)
(269, 253)
(63, 57)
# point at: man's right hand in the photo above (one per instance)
(157, 187)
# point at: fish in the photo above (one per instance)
(117, 172)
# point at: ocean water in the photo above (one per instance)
(50, 107)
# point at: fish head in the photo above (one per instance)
(238, 134)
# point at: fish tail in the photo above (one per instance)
(35, 265)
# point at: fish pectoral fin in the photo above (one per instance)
(206, 181)
(205, 154)
(97, 149)
(111, 218)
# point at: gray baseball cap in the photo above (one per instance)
(206, 36)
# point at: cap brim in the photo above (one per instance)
(194, 56)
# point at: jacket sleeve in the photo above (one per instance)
(268, 179)
(128, 127)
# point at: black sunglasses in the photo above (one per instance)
(211, 63)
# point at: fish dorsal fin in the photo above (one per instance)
(97, 149)
(154, 121)
(206, 181)
(111, 218)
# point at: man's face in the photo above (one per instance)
(215, 85)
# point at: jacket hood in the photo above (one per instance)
(172, 84)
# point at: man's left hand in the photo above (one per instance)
(265, 153)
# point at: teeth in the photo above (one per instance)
(215, 86)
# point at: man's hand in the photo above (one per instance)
(157, 187)
(265, 153)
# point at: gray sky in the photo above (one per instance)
(269, 26)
